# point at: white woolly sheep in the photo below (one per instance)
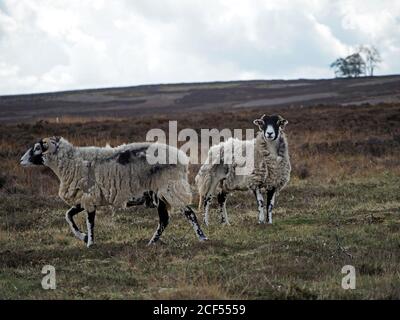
(127, 175)
(271, 169)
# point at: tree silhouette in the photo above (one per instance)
(356, 65)
(341, 68)
(351, 66)
(364, 61)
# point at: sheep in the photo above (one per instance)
(120, 177)
(271, 170)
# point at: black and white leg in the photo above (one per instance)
(221, 197)
(90, 228)
(260, 204)
(151, 199)
(191, 216)
(69, 216)
(271, 194)
(164, 219)
(207, 203)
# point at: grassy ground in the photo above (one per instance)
(342, 207)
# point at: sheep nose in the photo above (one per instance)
(269, 133)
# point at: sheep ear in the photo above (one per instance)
(259, 123)
(283, 122)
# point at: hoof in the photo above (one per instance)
(203, 239)
(89, 245)
(261, 222)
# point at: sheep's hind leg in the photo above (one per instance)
(164, 219)
(271, 194)
(260, 203)
(89, 239)
(191, 216)
(221, 197)
(69, 216)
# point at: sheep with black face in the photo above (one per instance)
(123, 176)
(270, 174)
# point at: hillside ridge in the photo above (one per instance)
(204, 96)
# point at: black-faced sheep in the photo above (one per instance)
(271, 170)
(127, 175)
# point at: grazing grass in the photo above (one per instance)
(342, 207)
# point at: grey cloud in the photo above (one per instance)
(61, 45)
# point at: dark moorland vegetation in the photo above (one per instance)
(341, 207)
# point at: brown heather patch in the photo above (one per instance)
(345, 185)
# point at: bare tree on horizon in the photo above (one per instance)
(372, 57)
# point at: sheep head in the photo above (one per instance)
(271, 126)
(36, 155)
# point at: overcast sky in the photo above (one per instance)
(73, 44)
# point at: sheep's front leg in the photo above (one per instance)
(207, 203)
(90, 228)
(260, 204)
(69, 216)
(271, 194)
(164, 220)
(191, 216)
(221, 197)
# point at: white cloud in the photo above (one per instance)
(48, 45)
